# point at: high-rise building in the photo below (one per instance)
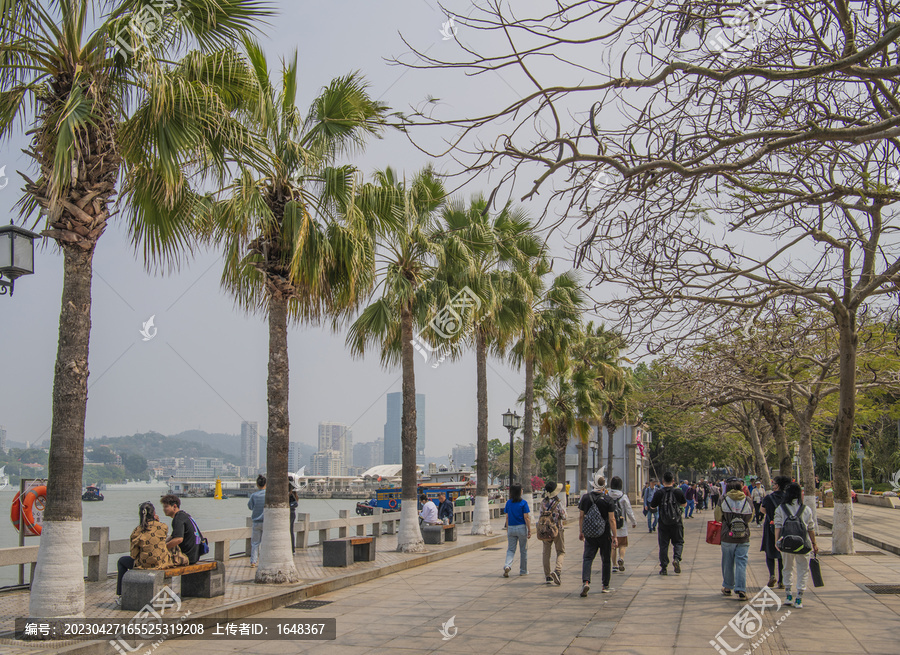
(368, 454)
(295, 457)
(337, 436)
(2, 439)
(392, 428)
(329, 462)
(464, 455)
(250, 444)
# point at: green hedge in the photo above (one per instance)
(878, 486)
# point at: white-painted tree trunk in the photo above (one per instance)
(842, 532)
(409, 539)
(811, 503)
(481, 519)
(276, 563)
(58, 587)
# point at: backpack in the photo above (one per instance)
(548, 522)
(594, 524)
(737, 525)
(669, 511)
(202, 543)
(620, 515)
(794, 534)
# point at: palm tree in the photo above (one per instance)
(487, 255)
(103, 118)
(406, 258)
(548, 320)
(295, 248)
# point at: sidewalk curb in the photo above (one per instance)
(290, 594)
(894, 550)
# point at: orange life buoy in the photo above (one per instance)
(36, 496)
(392, 503)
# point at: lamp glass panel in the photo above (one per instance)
(5, 249)
(507, 419)
(23, 253)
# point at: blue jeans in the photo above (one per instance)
(255, 538)
(689, 509)
(652, 518)
(517, 534)
(734, 566)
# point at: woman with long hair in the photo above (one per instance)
(148, 547)
(769, 505)
(518, 527)
(795, 537)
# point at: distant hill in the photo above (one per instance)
(153, 445)
(227, 443)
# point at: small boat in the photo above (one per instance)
(388, 499)
(91, 493)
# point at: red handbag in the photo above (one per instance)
(713, 533)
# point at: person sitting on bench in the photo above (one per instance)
(429, 513)
(184, 532)
(148, 547)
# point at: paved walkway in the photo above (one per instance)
(872, 526)
(646, 614)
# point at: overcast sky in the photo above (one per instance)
(206, 367)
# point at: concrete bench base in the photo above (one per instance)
(201, 580)
(438, 534)
(345, 551)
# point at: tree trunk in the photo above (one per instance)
(776, 422)
(58, 586)
(842, 539)
(759, 455)
(409, 540)
(276, 562)
(807, 471)
(610, 435)
(528, 432)
(481, 521)
(583, 452)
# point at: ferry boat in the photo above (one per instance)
(91, 493)
(388, 498)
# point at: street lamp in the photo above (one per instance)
(16, 255)
(512, 422)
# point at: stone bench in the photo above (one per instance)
(346, 550)
(438, 534)
(200, 580)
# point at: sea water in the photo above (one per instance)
(119, 512)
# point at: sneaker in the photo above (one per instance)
(606, 590)
(118, 601)
(549, 580)
(789, 600)
(584, 589)
(677, 566)
(615, 569)
(252, 565)
(798, 603)
(523, 572)
(506, 570)
(621, 564)
(726, 592)
(663, 572)
(741, 595)
(650, 530)
(781, 585)
(555, 577)
(771, 582)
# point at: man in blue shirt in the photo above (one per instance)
(651, 513)
(257, 504)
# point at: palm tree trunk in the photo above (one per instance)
(58, 586)
(481, 522)
(410, 538)
(276, 562)
(842, 540)
(610, 435)
(528, 433)
(562, 441)
(583, 465)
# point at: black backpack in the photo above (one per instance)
(594, 524)
(669, 511)
(793, 533)
(619, 514)
(737, 525)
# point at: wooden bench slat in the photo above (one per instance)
(193, 568)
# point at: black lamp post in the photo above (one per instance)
(16, 255)
(512, 422)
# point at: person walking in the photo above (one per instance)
(518, 530)
(670, 501)
(551, 529)
(293, 503)
(626, 513)
(735, 513)
(756, 496)
(770, 504)
(690, 495)
(651, 513)
(256, 504)
(445, 509)
(597, 529)
(795, 537)
(714, 494)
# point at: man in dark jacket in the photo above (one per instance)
(769, 504)
(445, 509)
(670, 501)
